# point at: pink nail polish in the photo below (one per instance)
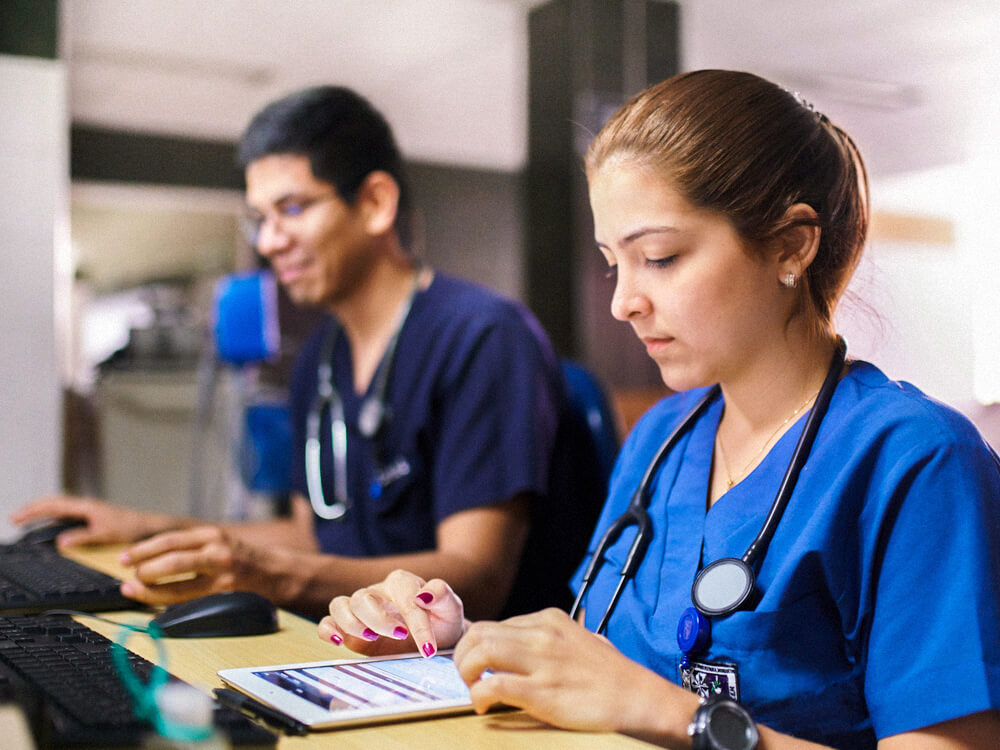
(426, 597)
(400, 632)
(369, 635)
(428, 649)
(337, 639)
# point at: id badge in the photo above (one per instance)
(707, 679)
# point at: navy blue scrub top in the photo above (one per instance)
(479, 415)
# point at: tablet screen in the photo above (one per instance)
(327, 694)
(396, 682)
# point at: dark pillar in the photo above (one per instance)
(29, 28)
(585, 58)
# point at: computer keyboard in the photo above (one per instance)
(63, 674)
(35, 578)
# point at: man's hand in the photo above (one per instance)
(180, 565)
(105, 523)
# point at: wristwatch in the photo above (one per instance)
(722, 724)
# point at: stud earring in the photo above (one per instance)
(789, 280)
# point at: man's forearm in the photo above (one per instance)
(280, 532)
(295, 532)
(478, 552)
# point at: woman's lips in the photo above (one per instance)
(655, 345)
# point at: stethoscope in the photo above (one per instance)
(373, 415)
(725, 585)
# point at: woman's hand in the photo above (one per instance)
(402, 613)
(561, 673)
(106, 523)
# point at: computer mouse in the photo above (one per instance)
(46, 531)
(231, 613)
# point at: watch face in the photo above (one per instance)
(728, 728)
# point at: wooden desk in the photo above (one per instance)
(196, 660)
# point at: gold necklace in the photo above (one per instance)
(722, 449)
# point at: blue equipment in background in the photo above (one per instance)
(245, 335)
(266, 448)
(246, 318)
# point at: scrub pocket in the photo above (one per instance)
(794, 673)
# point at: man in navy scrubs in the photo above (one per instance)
(442, 442)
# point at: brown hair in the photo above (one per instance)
(735, 143)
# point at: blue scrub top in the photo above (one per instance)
(880, 602)
(478, 415)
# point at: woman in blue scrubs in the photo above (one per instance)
(732, 216)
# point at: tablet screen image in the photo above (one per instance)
(330, 694)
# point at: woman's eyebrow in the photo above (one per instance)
(645, 231)
(639, 234)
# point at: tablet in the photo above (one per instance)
(348, 692)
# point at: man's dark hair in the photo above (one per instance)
(344, 137)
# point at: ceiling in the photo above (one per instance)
(448, 74)
(904, 77)
(901, 75)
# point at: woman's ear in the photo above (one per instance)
(797, 245)
(378, 200)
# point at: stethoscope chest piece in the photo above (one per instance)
(371, 416)
(723, 586)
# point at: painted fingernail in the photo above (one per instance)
(426, 597)
(369, 635)
(337, 639)
(400, 632)
(428, 649)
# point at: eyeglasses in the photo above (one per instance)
(287, 209)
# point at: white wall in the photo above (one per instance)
(927, 312)
(980, 228)
(34, 183)
(908, 307)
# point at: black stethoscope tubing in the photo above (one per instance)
(758, 547)
(638, 515)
